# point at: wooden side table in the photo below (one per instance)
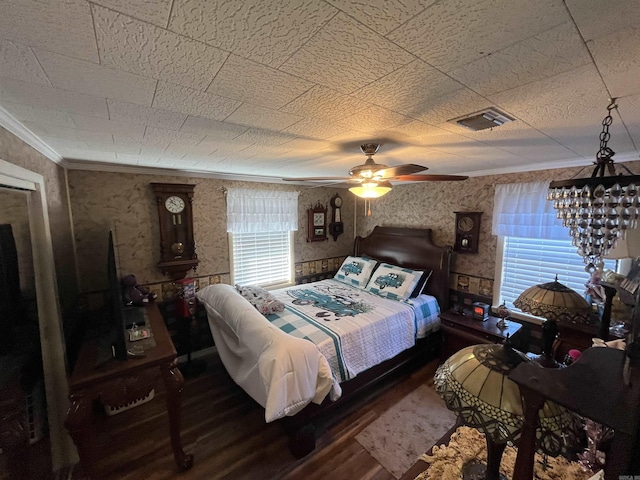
(121, 382)
(461, 331)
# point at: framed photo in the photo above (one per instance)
(317, 228)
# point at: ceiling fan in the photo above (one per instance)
(374, 177)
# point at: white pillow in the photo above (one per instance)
(356, 271)
(393, 282)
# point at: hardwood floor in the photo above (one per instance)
(225, 431)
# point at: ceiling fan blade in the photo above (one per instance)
(406, 169)
(430, 178)
(318, 179)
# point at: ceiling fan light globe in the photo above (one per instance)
(374, 190)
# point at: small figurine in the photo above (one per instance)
(133, 294)
(503, 312)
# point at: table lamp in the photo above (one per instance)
(473, 383)
(556, 303)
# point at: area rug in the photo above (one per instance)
(408, 429)
(467, 444)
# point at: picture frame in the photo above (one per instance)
(317, 223)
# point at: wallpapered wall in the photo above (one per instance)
(125, 200)
(432, 205)
(14, 150)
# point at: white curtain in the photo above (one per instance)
(522, 210)
(253, 211)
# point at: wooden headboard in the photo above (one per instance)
(410, 248)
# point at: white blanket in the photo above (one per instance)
(280, 372)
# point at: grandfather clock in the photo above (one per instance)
(177, 246)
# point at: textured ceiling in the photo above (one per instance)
(283, 88)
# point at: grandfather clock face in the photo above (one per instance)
(177, 246)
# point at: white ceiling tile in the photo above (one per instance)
(129, 149)
(596, 18)
(193, 102)
(151, 11)
(18, 62)
(41, 96)
(450, 34)
(260, 85)
(307, 145)
(96, 124)
(324, 103)
(403, 89)
(160, 134)
(314, 128)
(214, 130)
(63, 26)
(57, 143)
(146, 145)
(141, 115)
(259, 117)
(383, 16)
(618, 59)
(346, 56)
(69, 133)
(268, 31)
(183, 149)
(26, 113)
(576, 93)
(549, 53)
(80, 76)
(147, 50)
(143, 160)
(452, 105)
(629, 108)
(374, 118)
(264, 137)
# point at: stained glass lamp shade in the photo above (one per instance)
(474, 384)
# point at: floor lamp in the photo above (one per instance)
(473, 383)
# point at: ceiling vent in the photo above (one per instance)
(488, 118)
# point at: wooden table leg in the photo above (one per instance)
(533, 402)
(174, 383)
(80, 426)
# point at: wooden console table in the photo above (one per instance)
(592, 387)
(119, 382)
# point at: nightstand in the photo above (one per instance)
(461, 330)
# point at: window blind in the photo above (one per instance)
(261, 258)
(531, 261)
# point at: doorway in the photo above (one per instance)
(31, 186)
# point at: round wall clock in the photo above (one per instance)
(177, 245)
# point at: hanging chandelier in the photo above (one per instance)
(598, 210)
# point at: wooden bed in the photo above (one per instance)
(406, 247)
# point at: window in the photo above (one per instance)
(530, 261)
(260, 225)
(533, 246)
(263, 258)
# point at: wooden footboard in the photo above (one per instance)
(301, 428)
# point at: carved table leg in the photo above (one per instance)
(80, 426)
(174, 382)
(533, 402)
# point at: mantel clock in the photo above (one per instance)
(177, 245)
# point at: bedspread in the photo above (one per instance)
(354, 329)
(280, 372)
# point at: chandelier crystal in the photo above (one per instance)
(598, 210)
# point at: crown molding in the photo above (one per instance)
(12, 125)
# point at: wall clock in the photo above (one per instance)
(177, 245)
(336, 227)
(467, 231)
(317, 224)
